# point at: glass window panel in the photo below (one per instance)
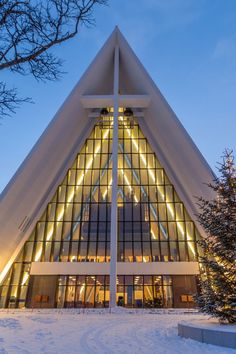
(172, 230)
(161, 194)
(163, 231)
(78, 193)
(190, 230)
(89, 296)
(147, 279)
(70, 296)
(151, 161)
(50, 231)
(16, 273)
(89, 147)
(40, 231)
(181, 230)
(101, 249)
(148, 295)
(169, 193)
(164, 252)
(146, 249)
(28, 251)
(3, 296)
(13, 296)
(167, 280)
(144, 177)
(51, 211)
(72, 280)
(182, 251)
(73, 252)
(68, 212)
(159, 177)
(56, 251)
(167, 296)
(83, 249)
(162, 212)
(86, 193)
(76, 231)
(92, 251)
(174, 254)
(66, 231)
(64, 252)
(128, 252)
(62, 280)
(128, 279)
(38, 251)
(107, 252)
(179, 211)
(170, 211)
(61, 194)
(138, 296)
(191, 251)
(47, 251)
(120, 251)
(70, 194)
(137, 250)
(105, 146)
(155, 251)
(71, 177)
(81, 161)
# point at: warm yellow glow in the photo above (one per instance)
(106, 191)
(25, 278)
(82, 289)
(153, 235)
(128, 183)
(151, 174)
(71, 195)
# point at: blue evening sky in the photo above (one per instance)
(187, 46)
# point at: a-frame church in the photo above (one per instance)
(102, 212)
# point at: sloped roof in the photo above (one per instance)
(31, 188)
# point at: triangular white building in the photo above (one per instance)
(103, 208)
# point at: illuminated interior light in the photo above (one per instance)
(25, 278)
(153, 235)
(82, 289)
(106, 191)
(128, 183)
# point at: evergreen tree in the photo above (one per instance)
(217, 295)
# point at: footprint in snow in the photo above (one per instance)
(10, 323)
(42, 334)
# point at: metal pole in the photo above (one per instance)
(113, 249)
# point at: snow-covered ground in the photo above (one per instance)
(125, 332)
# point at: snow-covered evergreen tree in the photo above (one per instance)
(217, 295)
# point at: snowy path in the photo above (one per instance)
(101, 333)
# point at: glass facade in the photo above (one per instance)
(91, 291)
(132, 291)
(153, 224)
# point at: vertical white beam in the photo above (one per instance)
(113, 249)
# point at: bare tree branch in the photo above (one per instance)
(29, 29)
(9, 100)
